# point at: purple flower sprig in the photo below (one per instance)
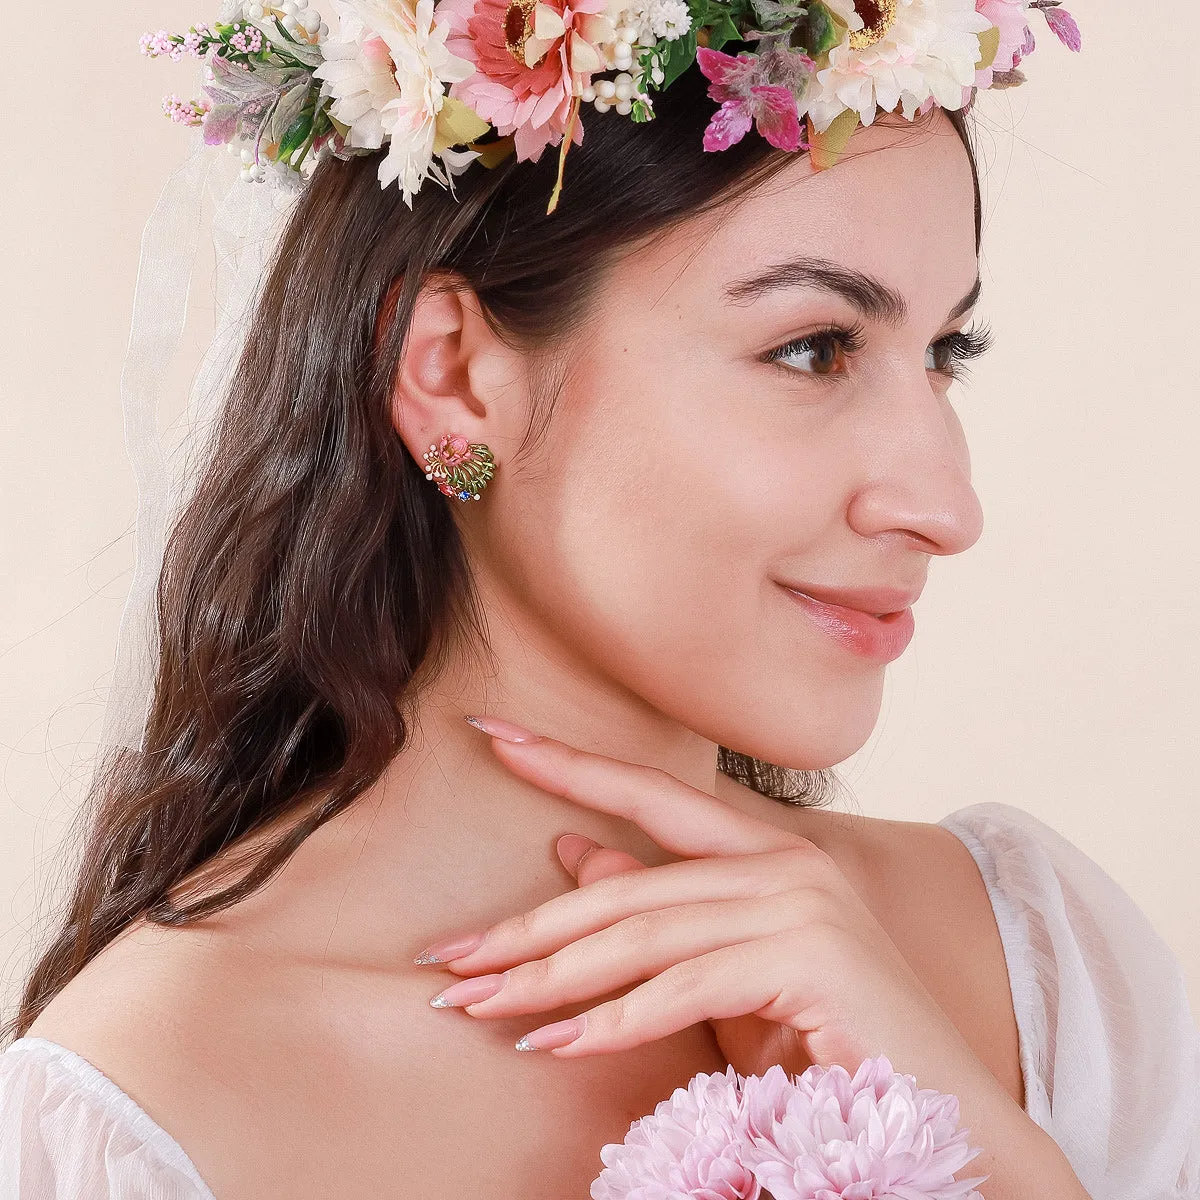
(240, 42)
(176, 46)
(259, 91)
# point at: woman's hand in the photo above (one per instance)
(757, 931)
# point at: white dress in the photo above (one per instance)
(1110, 1052)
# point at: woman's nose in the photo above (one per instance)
(919, 481)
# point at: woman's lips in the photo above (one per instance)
(882, 638)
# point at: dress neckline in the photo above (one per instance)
(1014, 938)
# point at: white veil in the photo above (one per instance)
(244, 221)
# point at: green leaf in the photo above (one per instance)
(724, 31)
(287, 36)
(680, 55)
(296, 135)
(322, 121)
(820, 31)
(772, 15)
(293, 104)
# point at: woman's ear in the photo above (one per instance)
(454, 375)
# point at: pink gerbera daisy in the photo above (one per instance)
(531, 58)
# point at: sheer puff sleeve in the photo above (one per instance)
(1110, 1051)
(67, 1132)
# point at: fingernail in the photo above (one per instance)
(469, 991)
(505, 730)
(460, 947)
(572, 849)
(550, 1037)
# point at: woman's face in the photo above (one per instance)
(686, 478)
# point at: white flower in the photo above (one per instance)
(649, 21)
(358, 74)
(668, 19)
(387, 70)
(927, 49)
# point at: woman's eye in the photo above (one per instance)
(938, 357)
(827, 351)
(821, 353)
(950, 354)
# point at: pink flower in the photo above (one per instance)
(759, 89)
(691, 1146)
(531, 57)
(1008, 16)
(154, 45)
(453, 449)
(185, 112)
(874, 1135)
(817, 1136)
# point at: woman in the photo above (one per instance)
(713, 391)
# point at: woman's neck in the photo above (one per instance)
(449, 839)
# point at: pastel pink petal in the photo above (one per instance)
(776, 116)
(730, 123)
(547, 105)
(529, 142)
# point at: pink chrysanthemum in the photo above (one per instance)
(876, 1135)
(691, 1146)
(531, 58)
(818, 1136)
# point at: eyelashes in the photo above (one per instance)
(827, 350)
(960, 348)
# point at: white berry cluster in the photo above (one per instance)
(255, 169)
(642, 24)
(294, 15)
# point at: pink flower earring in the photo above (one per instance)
(460, 468)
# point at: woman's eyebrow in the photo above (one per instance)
(872, 297)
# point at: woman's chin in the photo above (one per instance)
(812, 736)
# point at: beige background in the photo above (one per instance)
(1054, 664)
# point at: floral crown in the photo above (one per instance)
(441, 83)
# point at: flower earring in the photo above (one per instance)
(460, 468)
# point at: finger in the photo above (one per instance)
(572, 849)
(731, 981)
(588, 861)
(566, 918)
(680, 818)
(636, 949)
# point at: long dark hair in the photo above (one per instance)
(311, 583)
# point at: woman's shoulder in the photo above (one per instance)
(67, 1130)
(289, 1078)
